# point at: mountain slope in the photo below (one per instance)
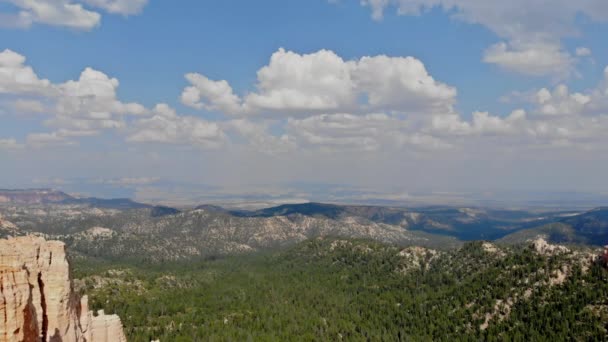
(146, 234)
(201, 233)
(354, 290)
(462, 223)
(590, 228)
(33, 196)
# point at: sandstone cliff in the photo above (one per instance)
(37, 302)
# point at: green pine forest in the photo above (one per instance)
(333, 290)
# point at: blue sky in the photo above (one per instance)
(374, 95)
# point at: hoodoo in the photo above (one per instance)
(37, 301)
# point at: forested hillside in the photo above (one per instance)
(327, 289)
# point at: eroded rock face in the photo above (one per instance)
(37, 302)
(541, 246)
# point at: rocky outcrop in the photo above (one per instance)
(416, 258)
(37, 302)
(542, 247)
(6, 227)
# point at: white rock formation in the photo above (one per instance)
(541, 246)
(37, 302)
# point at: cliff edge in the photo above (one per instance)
(37, 301)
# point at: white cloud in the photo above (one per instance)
(401, 84)
(51, 12)
(482, 123)
(91, 103)
(66, 13)
(525, 24)
(535, 59)
(561, 101)
(165, 126)
(218, 94)
(583, 51)
(125, 7)
(17, 78)
(557, 118)
(75, 108)
(322, 82)
(516, 18)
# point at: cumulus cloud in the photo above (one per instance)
(166, 126)
(533, 29)
(322, 82)
(86, 105)
(18, 78)
(482, 123)
(66, 13)
(51, 12)
(91, 103)
(560, 101)
(374, 103)
(401, 84)
(557, 117)
(313, 82)
(218, 95)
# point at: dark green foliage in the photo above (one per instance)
(160, 211)
(331, 211)
(331, 290)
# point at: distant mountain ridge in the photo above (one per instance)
(589, 228)
(112, 203)
(462, 223)
(125, 228)
(52, 196)
(33, 196)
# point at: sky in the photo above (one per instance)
(304, 99)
